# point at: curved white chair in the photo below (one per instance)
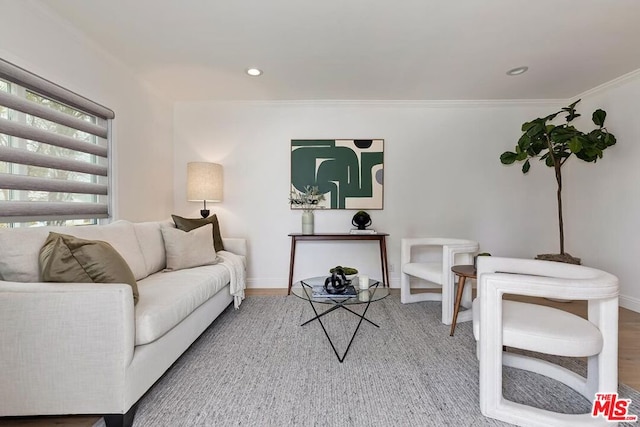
(533, 327)
(451, 252)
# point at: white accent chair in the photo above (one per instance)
(538, 328)
(450, 252)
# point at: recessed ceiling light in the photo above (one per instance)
(517, 71)
(254, 72)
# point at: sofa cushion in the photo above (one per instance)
(152, 244)
(188, 224)
(187, 249)
(19, 247)
(168, 298)
(65, 258)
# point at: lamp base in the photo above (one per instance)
(205, 212)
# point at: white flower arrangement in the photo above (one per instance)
(307, 200)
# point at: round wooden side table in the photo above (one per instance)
(463, 272)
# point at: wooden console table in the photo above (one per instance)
(380, 237)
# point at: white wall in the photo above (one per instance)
(443, 177)
(603, 199)
(39, 41)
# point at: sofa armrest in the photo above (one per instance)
(235, 245)
(64, 345)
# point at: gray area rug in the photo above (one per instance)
(258, 367)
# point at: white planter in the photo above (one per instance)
(307, 222)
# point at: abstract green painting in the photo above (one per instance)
(349, 172)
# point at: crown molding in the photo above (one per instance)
(619, 81)
(490, 103)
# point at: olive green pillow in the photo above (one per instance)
(69, 259)
(188, 224)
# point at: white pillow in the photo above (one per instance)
(189, 249)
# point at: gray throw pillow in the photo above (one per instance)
(188, 249)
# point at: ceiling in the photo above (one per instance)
(365, 49)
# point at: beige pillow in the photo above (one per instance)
(187, 249)
(69, 259)
(188, 224)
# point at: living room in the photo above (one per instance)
(443, 173)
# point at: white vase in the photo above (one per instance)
(307, 222)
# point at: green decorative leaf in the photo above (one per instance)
(572, 112)
(521, 156)
(596, 138)
(575, 145)
(572, 106)
(562, 134)
(609, 140)
(591, 154)
(549, 161)
(508, 157)
(572, 116)
(524, 142)
(527, 125)
(598, 117)
(536, 128)
(537, 147)
(526, 166)
(582, 155)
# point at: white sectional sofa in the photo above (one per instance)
(80, 348)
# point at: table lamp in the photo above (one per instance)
(204, 184)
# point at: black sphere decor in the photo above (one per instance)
(361, 220)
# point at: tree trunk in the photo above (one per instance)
(557, 167)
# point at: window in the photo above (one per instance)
(54, 153)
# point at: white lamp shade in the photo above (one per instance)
(204, 182)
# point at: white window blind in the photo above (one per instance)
(54, 151)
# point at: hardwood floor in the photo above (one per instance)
(628, 356)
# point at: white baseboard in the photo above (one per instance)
(630, 303)
(271, 283)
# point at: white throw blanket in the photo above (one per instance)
(236, 267)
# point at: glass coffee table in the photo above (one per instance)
(305, 289)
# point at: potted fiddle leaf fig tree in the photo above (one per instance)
(555, 144)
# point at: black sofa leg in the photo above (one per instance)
(121, 420)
